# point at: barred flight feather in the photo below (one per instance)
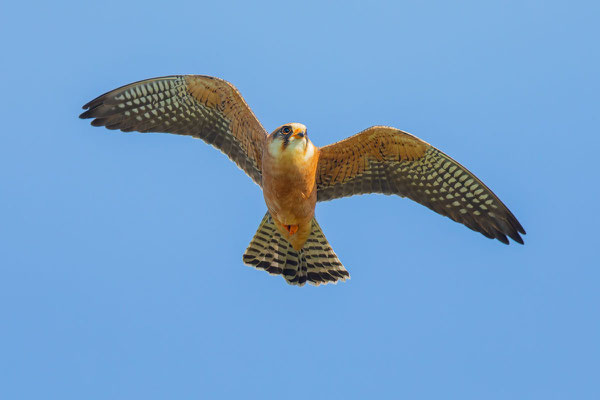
(387, 160)
(204, 107)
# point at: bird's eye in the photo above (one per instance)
(300, 134)
(286, 129)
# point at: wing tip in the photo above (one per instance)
(85, 114)
(510, 228)
(518, 230)
(91, 107)
(515, 237)
(503, 237)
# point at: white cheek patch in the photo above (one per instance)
(275, 148)
(310, 151)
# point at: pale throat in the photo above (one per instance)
(296, 152)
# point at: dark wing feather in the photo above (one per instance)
(204, 107)
(389, 161)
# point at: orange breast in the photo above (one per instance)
(289, 187)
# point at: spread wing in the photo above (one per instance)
(204, 107)
(389, 161)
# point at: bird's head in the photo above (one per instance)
(289, 137)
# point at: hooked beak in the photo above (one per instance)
(298, 132)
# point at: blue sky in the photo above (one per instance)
(121, 253)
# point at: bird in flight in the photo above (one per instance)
(294, 174)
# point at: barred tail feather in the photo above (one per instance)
(315, 263)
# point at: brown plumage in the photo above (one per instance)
(204, 107)
(386, 160)
(294, 174)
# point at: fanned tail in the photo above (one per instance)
(316, 263)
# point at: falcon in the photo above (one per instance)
(294, 174)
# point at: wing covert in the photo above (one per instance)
(204, 107)
(387, 160)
